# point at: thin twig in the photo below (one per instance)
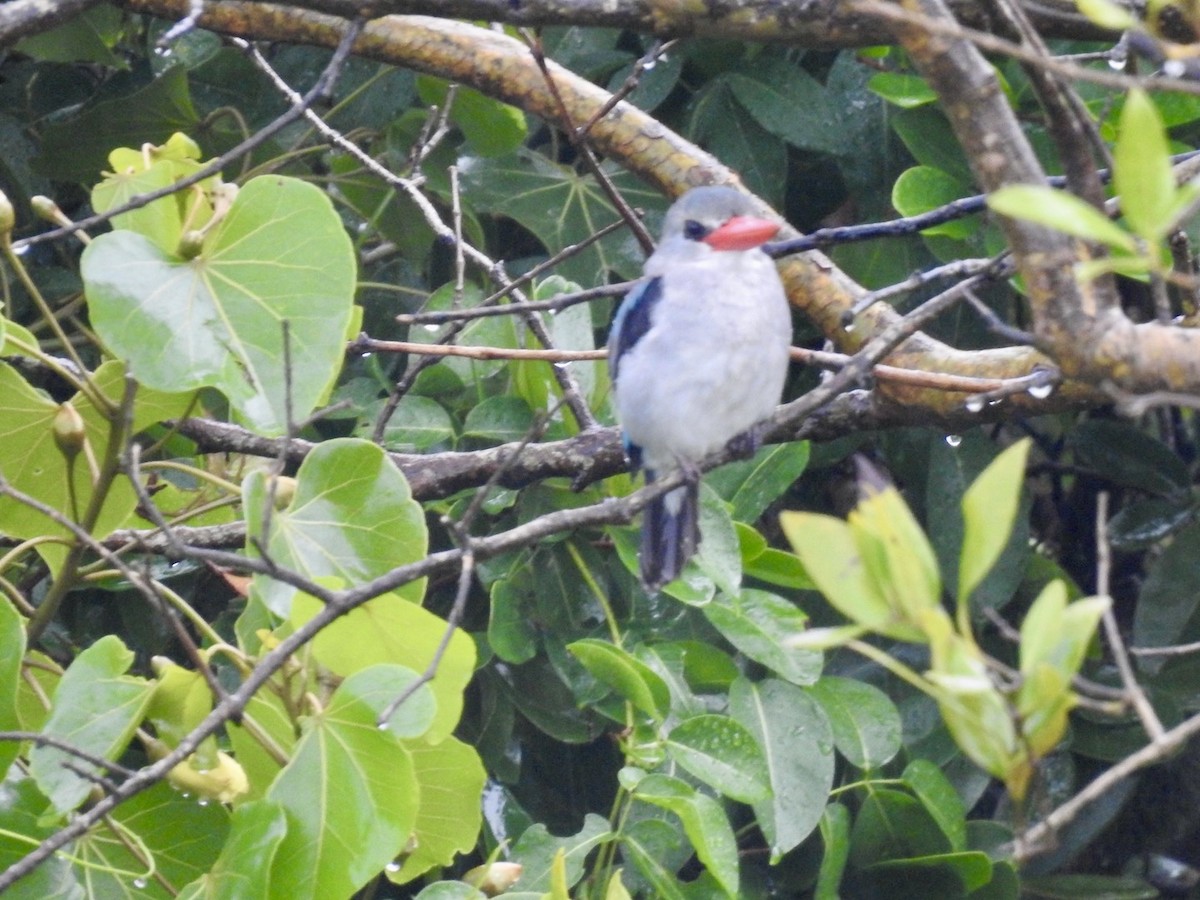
(1112, 631)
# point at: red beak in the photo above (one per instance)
(742, 233)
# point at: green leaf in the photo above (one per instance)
(268, 716)
(1062, 212)
(1057, 633)
(905, 91)
(795, 738)
(866, 724)
(989, 511)
(789, 103)
(537, 848)
(1107, 14)
(451, 779)
(628, 676)
(835, 835)
(1142, 164)
(924, 188)
(96, 709)
(450, 890)
(1170, 596)
(722, 753)
(12, 652)
(492, 128)
(32, 463)
(941, 874)
(757, 623)
(86, 38)
(498, 420)
(1086, 887)
(754, 484)
(280, 255)
(896, 554)
(720, 554)
(1126, 455)
(827, 548)
(243, 868)
(650, 843)
(1143, 522)
(148, 115)
(724, 127)
(928, 136)
(704, 822)
(417, 424)
(23, 825)
(780, 568)
(951, 471)
(524, 186)
(386, 630)
(182, 698)
(182, 837)
(941, 801)
(352, 517)
(349, 791)
(893, 825)
(707, 668)
(511, 634)
(150, 169)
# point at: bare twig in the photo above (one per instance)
(1112, 631)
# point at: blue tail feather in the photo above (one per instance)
(670, 535)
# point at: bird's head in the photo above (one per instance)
(720, 217)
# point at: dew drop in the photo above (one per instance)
(393, 866)
(649, 64)
(430, 328)
(204, 801)
(974, 403)
(1117, 61)
(163, 52)
(139, 883)
(1041, 391)
(385, 726)
(954, 439)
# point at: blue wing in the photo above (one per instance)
(632, 321)
(629, 326)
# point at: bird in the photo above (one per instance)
(698, 356)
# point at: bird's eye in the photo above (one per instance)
(693, 230)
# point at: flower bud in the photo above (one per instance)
(46, 209)
(494, 878)
(69, 430)
(223, 783)
(8, 216)
(285, 491)
(190, 244)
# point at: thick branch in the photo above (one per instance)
(1078, 323)
(815, 23)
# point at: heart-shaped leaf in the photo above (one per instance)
(280, 256)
